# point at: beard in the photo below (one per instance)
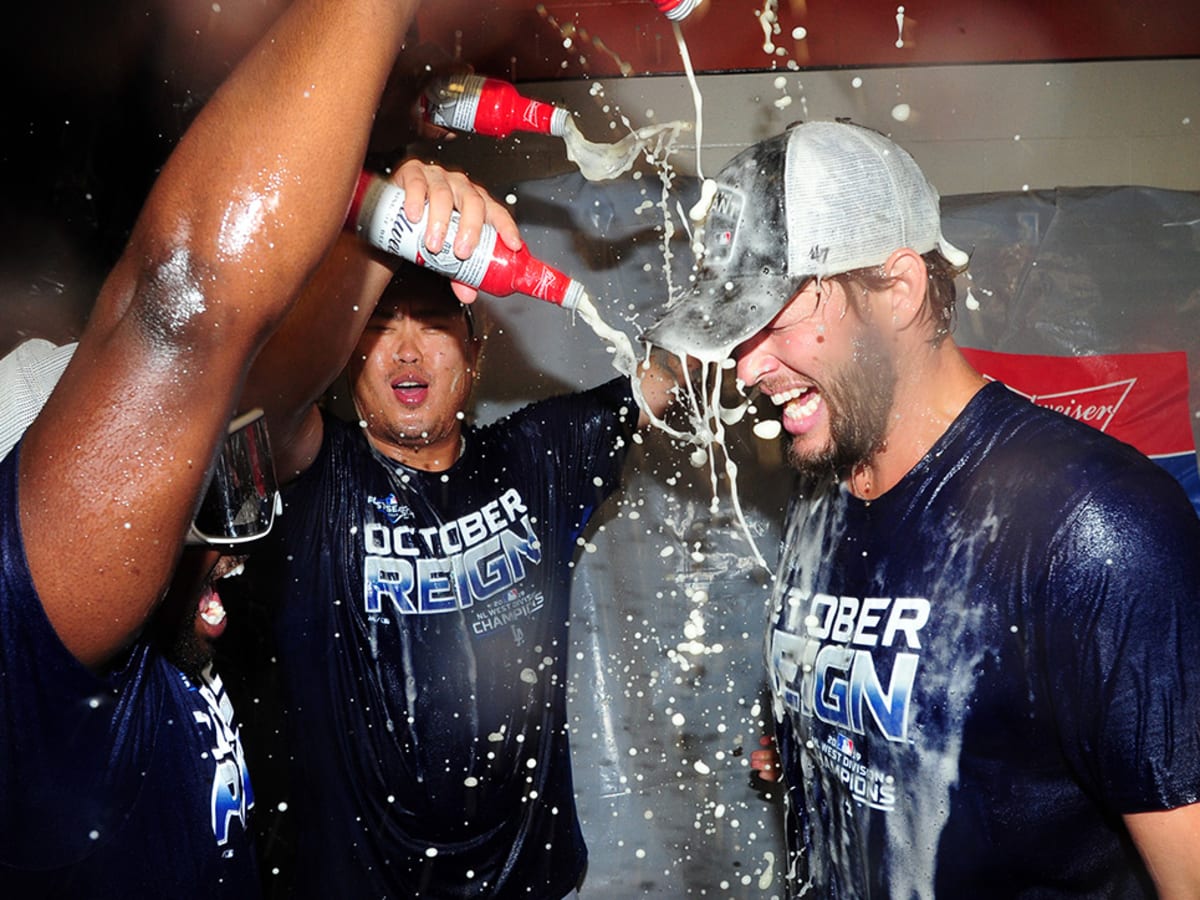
(187, 652)
(173, 630)
(859, 398)
(173, 626)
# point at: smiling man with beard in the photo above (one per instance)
(982, 645)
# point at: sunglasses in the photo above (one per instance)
(242, 498)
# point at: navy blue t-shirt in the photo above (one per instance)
(421, 631)
(129, 785)
(978, 673)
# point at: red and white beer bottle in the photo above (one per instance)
(463, 102)
(377, 216)
(676, 10)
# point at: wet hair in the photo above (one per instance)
(941, 293)
(412, 280)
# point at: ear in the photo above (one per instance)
(474, 354)
(909, 277)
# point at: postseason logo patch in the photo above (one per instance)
(1138, 398)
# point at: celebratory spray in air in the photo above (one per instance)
(489, 106)
(377, 216)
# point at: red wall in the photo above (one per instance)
(518, 38)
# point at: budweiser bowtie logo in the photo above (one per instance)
(1138, 398)
(545, 283)
(1096, 405)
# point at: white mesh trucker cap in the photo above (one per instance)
(820, 199)
(27, 376)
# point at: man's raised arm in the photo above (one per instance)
(244, 210)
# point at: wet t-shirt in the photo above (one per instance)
(421, 631)
(129, 785)
(977, 674)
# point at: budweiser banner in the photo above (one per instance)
(1138, 398)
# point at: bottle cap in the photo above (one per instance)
(676, 10)
(558, 121)
(573, 294)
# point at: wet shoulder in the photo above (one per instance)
(1048, 460)
(564, 420)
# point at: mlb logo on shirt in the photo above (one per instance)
(845, 745)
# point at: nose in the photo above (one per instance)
(407, 347)
(754, 360)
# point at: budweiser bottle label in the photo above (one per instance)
(458, 110)
(382, 224)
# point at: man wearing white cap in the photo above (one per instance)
(983, 632)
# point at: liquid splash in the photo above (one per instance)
(703, 407)
(697, 100)
(603, 162)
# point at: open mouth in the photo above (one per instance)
(800, 407)
(410, 391)
(210, 608)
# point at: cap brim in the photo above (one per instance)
(716, 316)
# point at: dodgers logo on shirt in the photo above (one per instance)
(232, 797)
(411, 570)
(391, 507)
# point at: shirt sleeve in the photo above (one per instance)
(1124, 602)
(27, 376)
(587, 436)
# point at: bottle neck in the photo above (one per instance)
(519, 271)
(491, 107)
(502, 110)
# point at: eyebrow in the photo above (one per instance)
(433, 311)
(415, 311)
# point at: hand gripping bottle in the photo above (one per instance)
(488, 106)
(676, 10)
(377, 216)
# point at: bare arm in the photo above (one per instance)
(660, 376)
(1169, 842)
(312, 345)
(243, 211)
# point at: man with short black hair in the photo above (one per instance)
(420, 590)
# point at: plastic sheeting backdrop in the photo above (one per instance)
(667, 673)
